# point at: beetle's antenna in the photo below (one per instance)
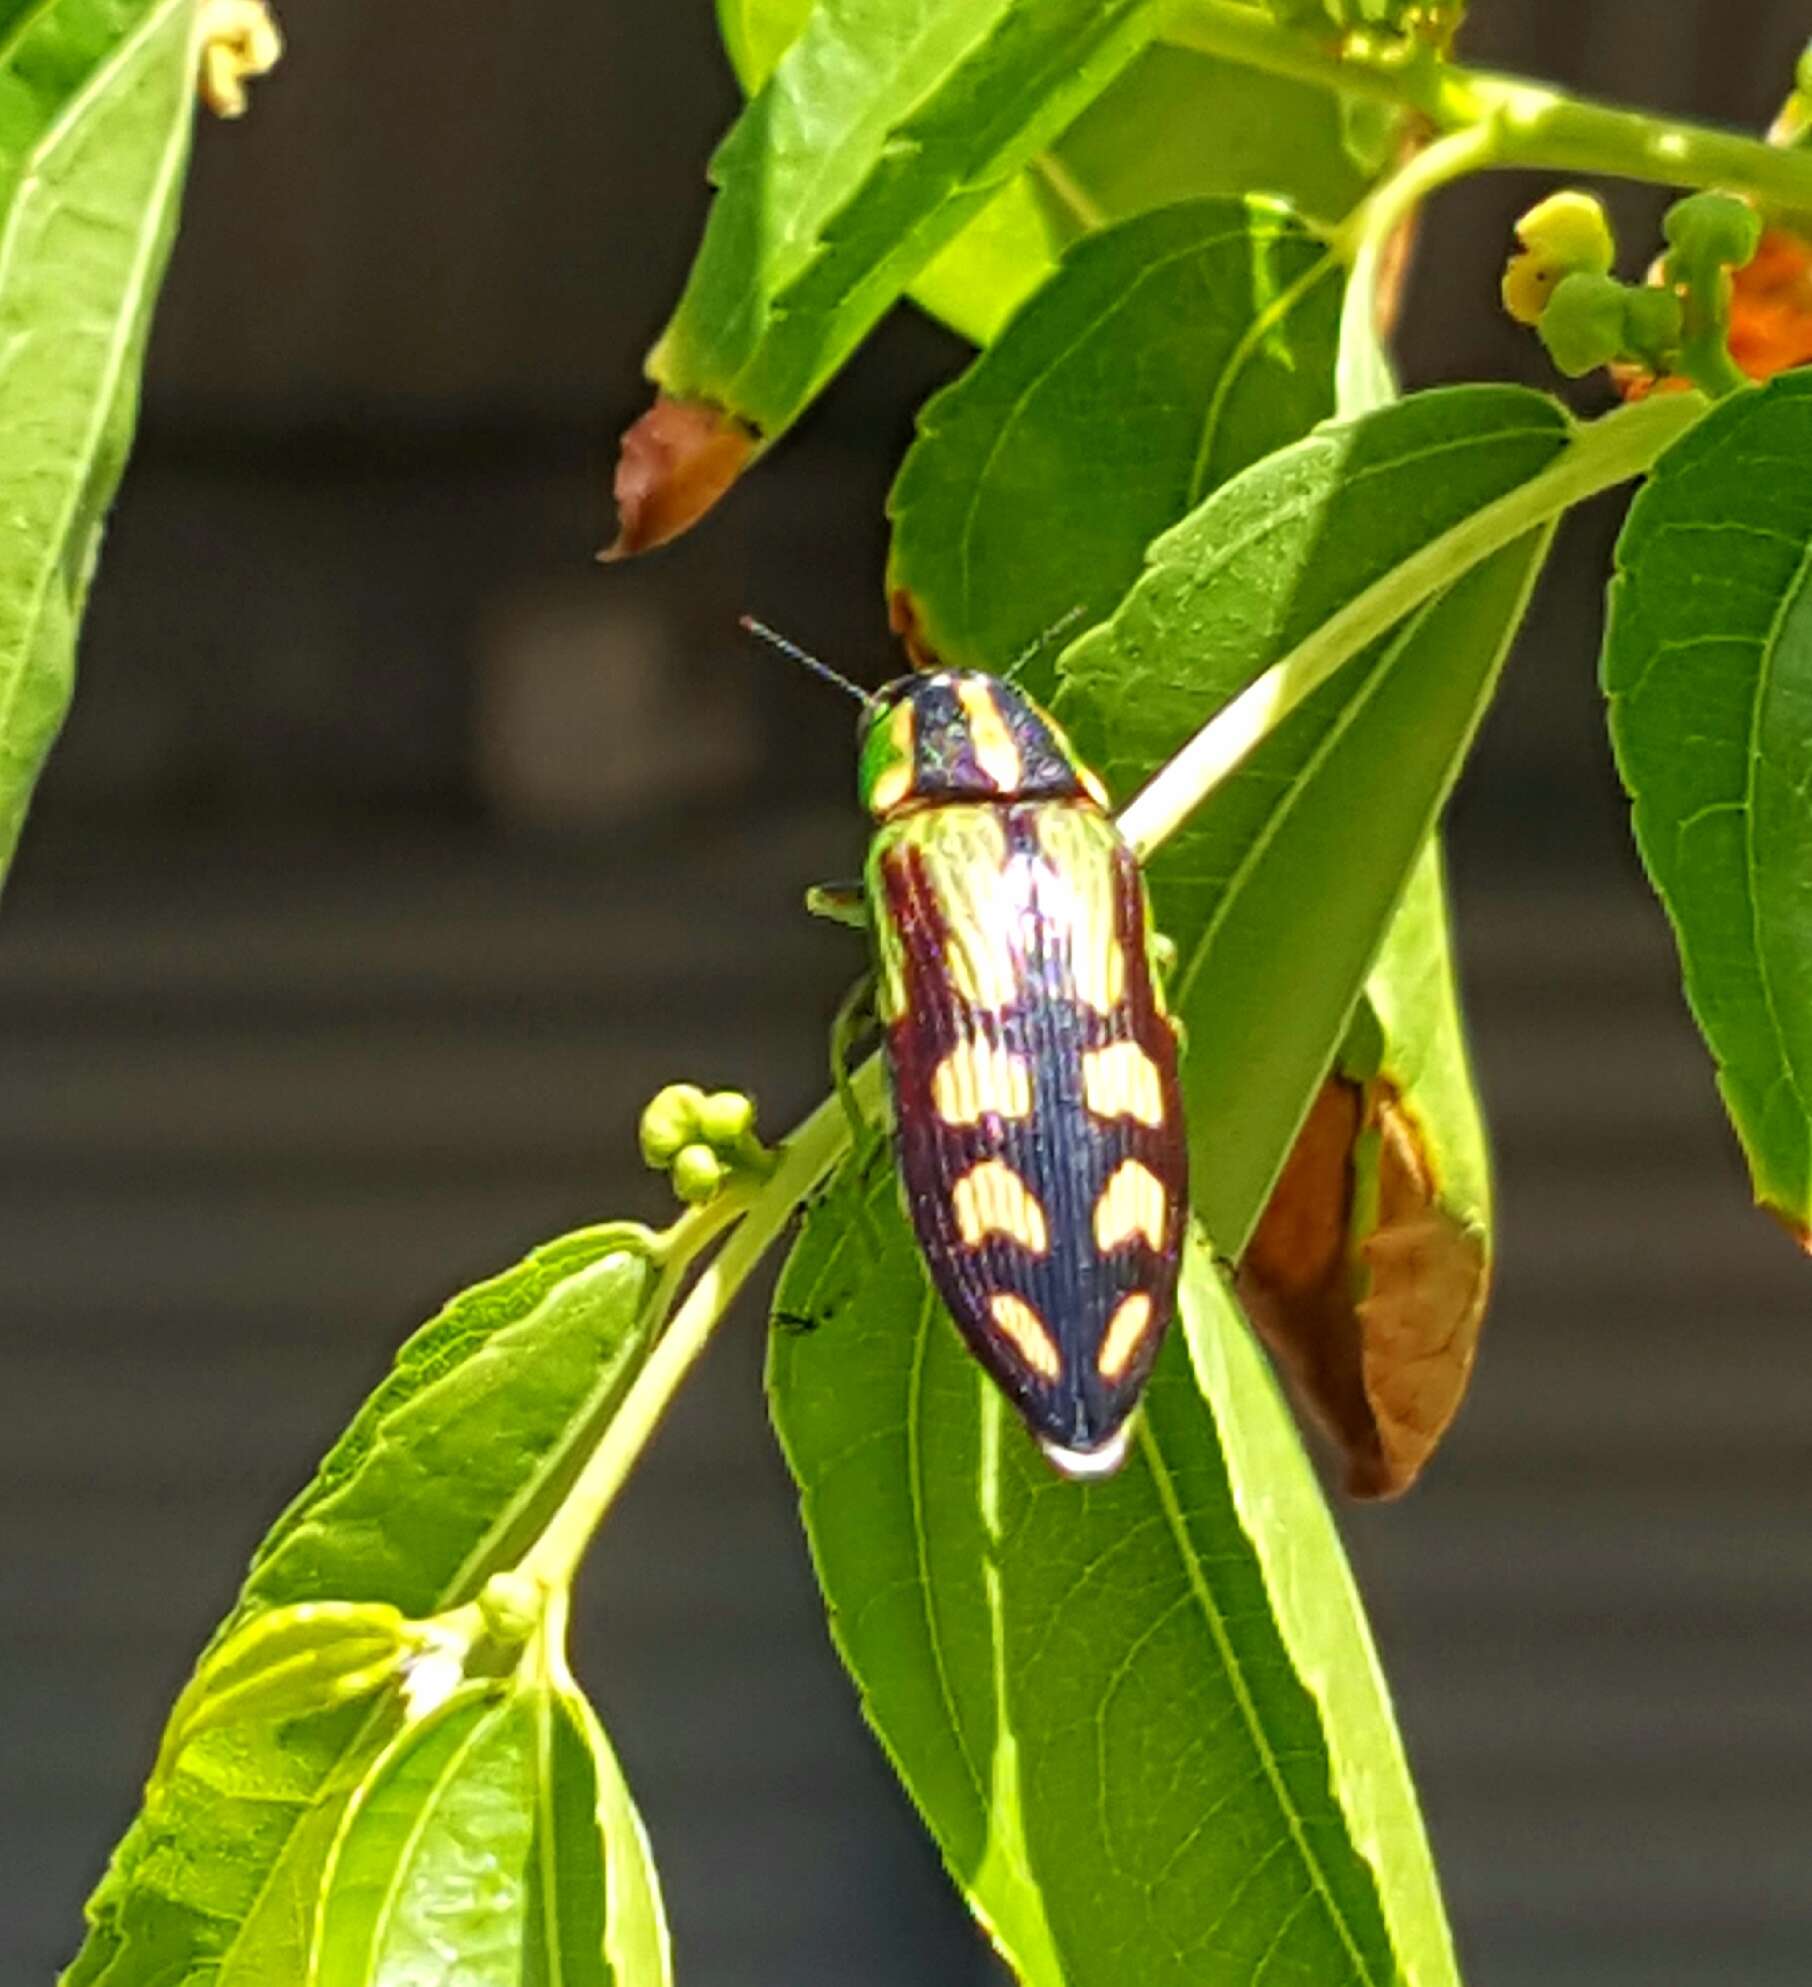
(1061, 625)
(749, 623)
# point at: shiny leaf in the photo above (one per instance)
(880, 132)
(441, 1479)
(1177, 124)
(1039, 479)
(96, 100)
(1708, 666)
(285, 1663)
(494, 1838)
(1139, 1717)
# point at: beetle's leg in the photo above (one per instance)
(841, 903)
(856, 1018)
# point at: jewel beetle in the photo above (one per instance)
(1037, 1116)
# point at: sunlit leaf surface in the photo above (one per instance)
(1708, 666)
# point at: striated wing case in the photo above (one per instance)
(1037, 1115)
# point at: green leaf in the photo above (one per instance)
(1279, 889)
(96, 100)
(442, 1478)
(1177, 124)
(1708, 667)
(1142, 1718)
(1041, 476)
(1413, 992)
(285, 1663)
(497, 1830)
(879, 134)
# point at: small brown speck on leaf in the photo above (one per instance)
(1376, 1331)
(675, 462)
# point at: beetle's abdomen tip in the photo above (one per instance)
(1086, 1465)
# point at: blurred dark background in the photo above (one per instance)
(395, 852)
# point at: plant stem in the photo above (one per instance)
(1611, 450)
(805, 1158)
(1534, 124)
(1363, 237)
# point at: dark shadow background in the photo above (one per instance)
(395, 853)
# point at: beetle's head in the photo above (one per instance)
(957, 734)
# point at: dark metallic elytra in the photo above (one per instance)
(1014, 957)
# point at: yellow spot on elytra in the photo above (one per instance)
(1131, 1204)
(1121, 1081)
(992, 742)
(1125, 1330)
(1022, 1327)
(991, 1199)
(965, 851)
(1079, 886)
(977, 1079)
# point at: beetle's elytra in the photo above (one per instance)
(1037, 1115)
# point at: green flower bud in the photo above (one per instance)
(670, 1122)
(511, 1603)
(1570, 229)
(1562, 235)
(1712, 228)
(698, 1174)
(1651, 326)
(726, 1119)
(1582, 326)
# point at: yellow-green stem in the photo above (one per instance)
(1534, 124)
(805, 1159)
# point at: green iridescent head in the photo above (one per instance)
(962, 735)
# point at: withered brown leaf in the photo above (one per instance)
(1375, 1320)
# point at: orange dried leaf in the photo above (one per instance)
(1376, 1330)
(676, 461)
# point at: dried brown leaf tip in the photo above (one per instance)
(1367, 1290)
(903, 619)
(676, 461)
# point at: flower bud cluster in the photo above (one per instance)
(702, 1139)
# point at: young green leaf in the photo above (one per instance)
(1141, 1718)
(880, 132)
(1278, 890)
(497, 1830)
(285, 1663)
(1708, 667)
(99, 98)
(441, 1479)
(1041, 476)
(1177, 124)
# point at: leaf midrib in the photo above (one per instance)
(1234, 1671)
(1790, 597)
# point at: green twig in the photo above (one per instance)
(1534, 124)
(804, 1160)
(1610, 451)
